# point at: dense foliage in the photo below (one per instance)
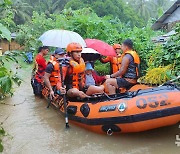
(89, 25)
(171, 54)
(148, 9)
(85, 22)
(7, 77)
(91, 22)
(115, 8)
(4, 32)
(135, 12)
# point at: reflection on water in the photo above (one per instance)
(36, 129)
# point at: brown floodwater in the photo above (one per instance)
(34, 129)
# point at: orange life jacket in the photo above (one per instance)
(55, 77)
(77, 76)
(136, 64)
(116, 63)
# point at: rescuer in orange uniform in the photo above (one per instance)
(52, 77)
(115, 62)
(129, 71)
(75, 79)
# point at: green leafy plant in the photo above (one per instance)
(8, 77)
(4, 32)
(111, 30)
(5, 3)
(156, 76)
(171, 52)
(6, 82)
(115, 9)
(102, 69)
(2, 133)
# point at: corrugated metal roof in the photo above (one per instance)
(163, 38)
(159, 23)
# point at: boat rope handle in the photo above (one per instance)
(109, 132)
(108, 96)
(170, 81)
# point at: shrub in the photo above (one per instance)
(156, 76)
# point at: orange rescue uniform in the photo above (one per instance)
(115, 63)
(76, 74)
(55, 77)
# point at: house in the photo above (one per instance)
(5, 45)
(169, 18)
(163, 38)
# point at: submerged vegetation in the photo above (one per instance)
(2, 133)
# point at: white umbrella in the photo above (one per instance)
(61, 38)
(89, 50)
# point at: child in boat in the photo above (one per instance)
(91, 76)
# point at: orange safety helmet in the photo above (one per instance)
(117, 46)
(73, 47)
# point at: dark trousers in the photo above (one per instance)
(37, 87)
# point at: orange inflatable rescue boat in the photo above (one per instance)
(141, 108)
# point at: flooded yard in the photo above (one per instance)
(32, 128)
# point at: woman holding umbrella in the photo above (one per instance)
(75, 79)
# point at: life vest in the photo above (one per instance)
(55, 77)
(116, 64)
(77, 76)
(133, 68)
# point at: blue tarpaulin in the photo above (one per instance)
(29, 57)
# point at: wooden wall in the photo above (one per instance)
(8, 46)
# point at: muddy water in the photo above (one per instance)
(33, 129)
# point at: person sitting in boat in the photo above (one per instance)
(52, 76)
(39, 70)
(75, 79)
(115, 62)
(91, 76)
(128, 73)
